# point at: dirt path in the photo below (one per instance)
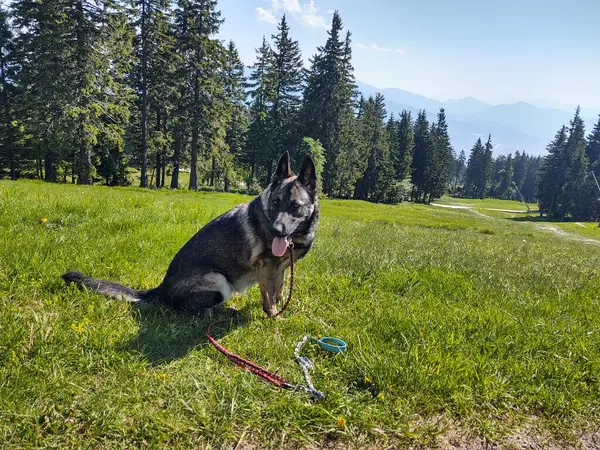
(549, 228)
(467, 208)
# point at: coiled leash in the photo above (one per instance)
(327, 343)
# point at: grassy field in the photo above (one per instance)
(462, 326)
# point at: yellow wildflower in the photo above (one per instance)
(341, 422)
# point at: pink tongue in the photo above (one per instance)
(279, 246)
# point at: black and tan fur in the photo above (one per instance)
(233, 251)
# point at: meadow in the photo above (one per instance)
(464, 327)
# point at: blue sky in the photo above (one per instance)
(499, 51)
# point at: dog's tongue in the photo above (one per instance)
(279, 246)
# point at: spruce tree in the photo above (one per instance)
(285, 78)
(237, 117)
(440, 158)
(197, 23)
(422, 149)
(576, 174)
(258, 148)
(9, 128)
(460, 168)
(328, 104)
(552, 174)
(403, 157)
(377, 178)
(487, 168)
(475, 167)
(593, 149)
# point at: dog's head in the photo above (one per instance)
(290, 201)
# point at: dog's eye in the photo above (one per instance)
(276, 201)
(296, 205)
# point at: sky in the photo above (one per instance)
(499, 51)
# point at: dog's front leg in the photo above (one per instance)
(279, 285)
(267, 274)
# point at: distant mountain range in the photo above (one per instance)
(519, 126)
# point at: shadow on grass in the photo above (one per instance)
(529, 219)
(166, 335)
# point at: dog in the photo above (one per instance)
(244, 246)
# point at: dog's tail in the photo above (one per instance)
(114, 290)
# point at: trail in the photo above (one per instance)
(547, 227)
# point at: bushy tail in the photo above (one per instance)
(114, 290)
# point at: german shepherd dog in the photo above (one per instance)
(246, 245)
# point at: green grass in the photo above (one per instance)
(454, 321)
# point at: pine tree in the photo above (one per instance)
(460, 167)
(9, 128)
(487, 168)
(74, 55)
(529, 184)
(403, 157)
(258, 148)
(576, 174)
(376, 181)
(285, 77)
(196, 24)
(440, 157)
(551, 175)
(328, 104)
(45, 79)
(474, 173)
(154, 75)
(237, 117)
(422, 149)
(593, 149)
(506, 177)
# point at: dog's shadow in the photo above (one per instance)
(166, 335)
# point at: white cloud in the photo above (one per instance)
(310, 8)
(265, 16)
(312, 21)
(291, 6)
(306, 14)
(377, 48)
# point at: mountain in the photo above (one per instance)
(518, 126)
(401, 97)
(466, 106)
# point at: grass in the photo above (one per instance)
(454, 321)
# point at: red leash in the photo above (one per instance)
(249, 365)
(254, 368)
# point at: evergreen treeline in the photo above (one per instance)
(506, 177)
(92, 90)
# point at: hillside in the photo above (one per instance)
(518, 126)
(467, 326)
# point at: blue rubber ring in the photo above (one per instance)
(332, 344)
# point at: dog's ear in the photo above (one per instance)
(283, 168)
(308, 174)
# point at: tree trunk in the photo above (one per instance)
(84, 148)
(176, 155)
(195, 134)
(144, 107)
(212, 172)
(7, 120)
(158, 156)
(164, 152)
